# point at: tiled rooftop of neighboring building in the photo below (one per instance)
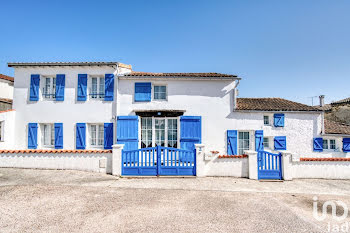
(333, 127)
(198, 75)
(5, 77)
(271, 104)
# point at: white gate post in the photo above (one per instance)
(287, 172)
(117, 159)
(252, 164)
(200, 163)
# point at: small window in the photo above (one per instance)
(266, 143)
(329, 144)
(97, 88)
(266, 120)
(146, 132)
(172, 133)
(160, 92)
(96, 135)
(1, 131)
(325, 144)
(48, 135)
(243, 142)
(332, 144)
(49, 88)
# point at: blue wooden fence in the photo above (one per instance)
(158, 160)
(269, 165)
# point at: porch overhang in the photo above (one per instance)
(159, 112)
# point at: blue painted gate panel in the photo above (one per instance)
(269, 166)
(158, 160)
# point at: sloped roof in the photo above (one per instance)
(12, 64)
(198, 75)
(326, 107)
(8, 78)
(9, 101)
(347, 100)
(333, 127)
(272, 104)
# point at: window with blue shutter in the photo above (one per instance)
(60, 85)
(280, 143)
(127, 132)
(80, 142)
(82, 87)
(32, 136)
(346, 144)
(34, 87)
(58, 135)
(318, 144)
(109, 87)
(108, 135)
(232, 142)
(190, 131)
(143, 92)
(259, 140)
(278, 120)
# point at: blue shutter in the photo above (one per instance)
(318, 144)
(143, 92)
(190, 131)
(109, 87)
(259, 140)
(232, 142)
(60, 85)
(80, 143)
(32, 135)
(82, 87)
(127, 132)
(58, 136)
(108, 135)
(280, 143)
(34, 87)
(278, 120)
(346, 144)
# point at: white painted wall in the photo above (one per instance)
(321, 169)
(7, 120)
(234, 167)
(96, 162)
(6, 89)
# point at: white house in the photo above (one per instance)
(6, 92)
(93, 105)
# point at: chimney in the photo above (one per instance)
(321, 100)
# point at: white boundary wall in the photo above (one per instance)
(96, 162)
(321, 169)
(8, 120)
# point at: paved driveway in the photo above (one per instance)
(73, 201)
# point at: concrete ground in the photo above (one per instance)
(75, 201)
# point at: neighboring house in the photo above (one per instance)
(6, 92)
(93, 105)
(339, 111)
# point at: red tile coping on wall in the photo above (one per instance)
(232, 156)
(7, 110)
(324, 159)
(54, 151)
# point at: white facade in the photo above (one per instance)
(6, 89)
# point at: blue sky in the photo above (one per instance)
(292, 49)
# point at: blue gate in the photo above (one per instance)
(159, 160)
(269, 166)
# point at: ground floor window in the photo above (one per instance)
(243, 142)
(158, 131)
(47, 135)
(329, 144)
(266, 143)
(96, 134)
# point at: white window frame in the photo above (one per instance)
(153, 91)
(249, 140)
(2, 131)
(100, 95)
(269, 120)
(166, 131)
(268, 141)
(51, 95)
(329, 144)
(51, 135)
(99, 138)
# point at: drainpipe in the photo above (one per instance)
(115, 105)
(235, 95)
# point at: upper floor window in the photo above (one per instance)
(266, 120)
(159, 92)
(97, 88)
(49, 88)
(47, 135)
(243, 142)
(96, 135)
(329, 144)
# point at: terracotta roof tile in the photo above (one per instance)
(343, 101)
(6, 100)
(271, 104)
(10, 110)
(199, 75)
(333, 127)
(8, 78)
(232, 156)
(39, 151)
(324, 159)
